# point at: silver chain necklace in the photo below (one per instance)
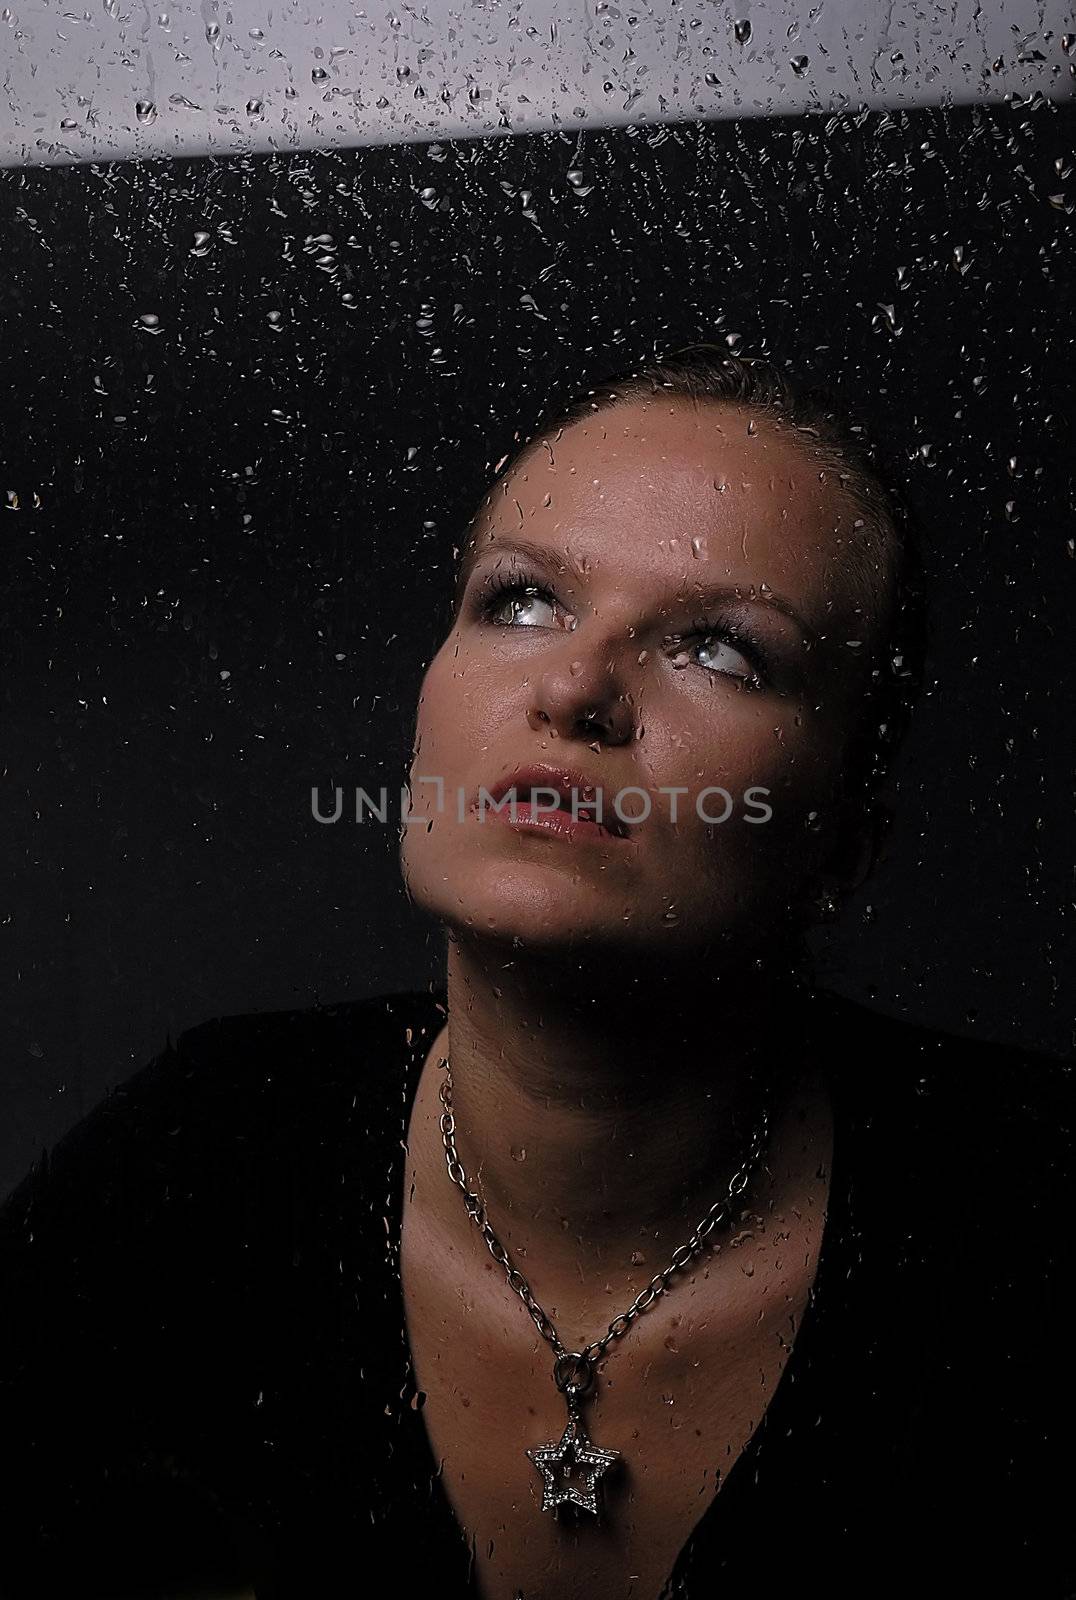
(572, 1467)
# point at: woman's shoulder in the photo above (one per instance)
(942, 1132)
(882, 1062)
(950, 1138)
(198, 1290)
(957, 1164)
(232, 1094)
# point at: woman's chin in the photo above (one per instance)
(551, 919)
(540, 906)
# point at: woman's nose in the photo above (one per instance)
(580, 699)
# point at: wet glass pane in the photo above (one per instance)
(766, 1115)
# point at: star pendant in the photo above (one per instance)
(572, 1469)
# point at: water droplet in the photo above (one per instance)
(799, 65)
(149, 321)
(318, 75)
(742, 30)
(145, 110)
(254, 108)
(212, 31)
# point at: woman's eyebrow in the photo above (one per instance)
(722, 594)
(558, 562)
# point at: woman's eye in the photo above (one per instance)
(528, 605)
(718, 654)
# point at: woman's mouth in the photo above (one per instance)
(539, 817)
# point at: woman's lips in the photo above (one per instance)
(558, 824)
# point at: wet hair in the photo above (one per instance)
(884, 558)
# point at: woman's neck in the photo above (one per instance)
(599, 1125)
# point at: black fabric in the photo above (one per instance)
(204, 1374)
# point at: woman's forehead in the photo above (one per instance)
(664, 494)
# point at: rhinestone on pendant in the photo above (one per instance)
(573, 1467)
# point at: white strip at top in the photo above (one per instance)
(100, 80)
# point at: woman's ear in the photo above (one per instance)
(856, 852)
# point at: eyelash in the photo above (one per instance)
(499, 584)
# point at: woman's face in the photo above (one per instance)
(661, 599)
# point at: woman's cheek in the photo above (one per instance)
(782, 780)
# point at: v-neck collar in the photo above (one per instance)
(737, 1505)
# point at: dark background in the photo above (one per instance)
(228, 533)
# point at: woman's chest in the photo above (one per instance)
(678, 1399)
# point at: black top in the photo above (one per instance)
(205, 1373)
